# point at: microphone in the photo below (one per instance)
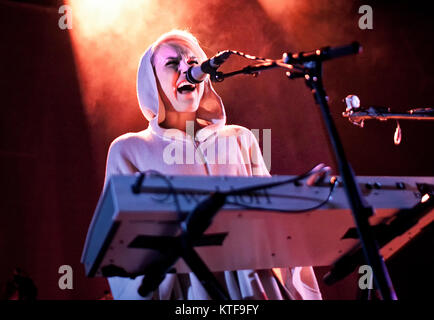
(198, 73)
(353, 102)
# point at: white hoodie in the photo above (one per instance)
(217, 149)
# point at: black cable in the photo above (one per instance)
(242, 190)
(265, 61)
(248, 56)
(332, 187)
(172, 191)
(249, 189)
(275, 184)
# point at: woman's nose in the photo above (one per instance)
(183, 66)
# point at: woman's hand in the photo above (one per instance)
(318, 177)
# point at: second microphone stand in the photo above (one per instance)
(361, 211)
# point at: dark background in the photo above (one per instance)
(55, 128)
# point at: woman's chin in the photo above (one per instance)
(186, 107)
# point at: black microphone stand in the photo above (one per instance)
(312, 72)
(361, 211)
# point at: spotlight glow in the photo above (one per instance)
(108, 38)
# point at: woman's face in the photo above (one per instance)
(171, 62)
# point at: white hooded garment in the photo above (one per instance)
(217, 149)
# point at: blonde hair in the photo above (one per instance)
(177, 35)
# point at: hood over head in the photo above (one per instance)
(210, 113)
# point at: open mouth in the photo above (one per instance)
(185, 87)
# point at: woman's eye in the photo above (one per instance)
(172, 63)
(193, 62)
